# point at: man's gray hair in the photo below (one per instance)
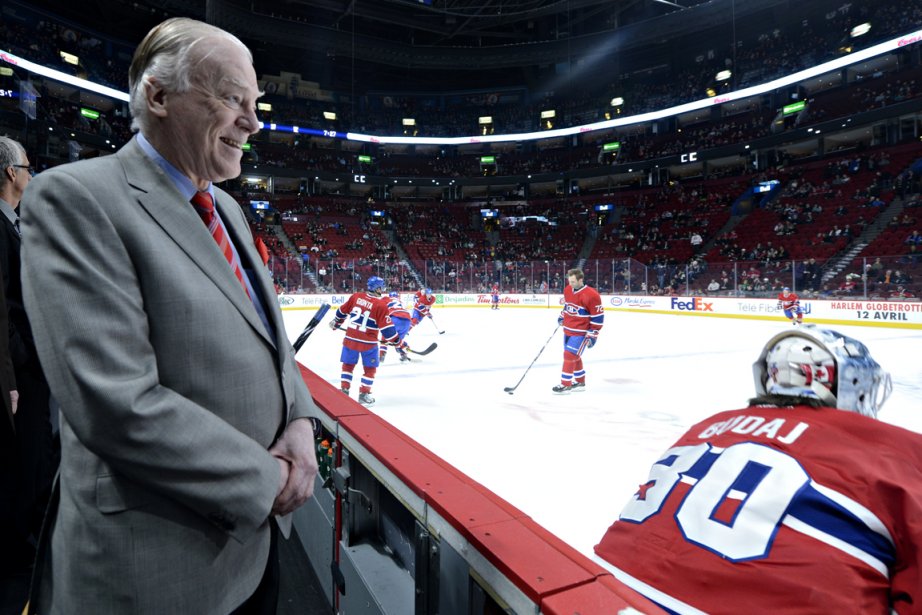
(11, 153)
(166, 55)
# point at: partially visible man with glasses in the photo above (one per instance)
(29, 459)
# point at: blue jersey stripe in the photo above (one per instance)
(815, 509)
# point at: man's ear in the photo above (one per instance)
(10, 173)
(155, 97)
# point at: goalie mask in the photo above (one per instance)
(825, 365)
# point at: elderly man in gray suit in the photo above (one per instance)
(183, 435)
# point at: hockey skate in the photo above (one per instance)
(403, 356)
(562, 389)
(366, 399)
(578, 387)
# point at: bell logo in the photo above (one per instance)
(696, 304)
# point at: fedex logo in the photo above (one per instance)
(696, 304)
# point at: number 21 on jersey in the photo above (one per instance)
(358, 319)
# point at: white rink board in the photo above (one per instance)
(899, 314)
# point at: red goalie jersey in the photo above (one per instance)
(777, 510)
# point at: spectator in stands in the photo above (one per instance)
(876, 268)
(185, 444)
(35, 465)
(900, 277)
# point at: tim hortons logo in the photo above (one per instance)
(489, 299)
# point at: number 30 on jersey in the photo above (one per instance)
(755, 483)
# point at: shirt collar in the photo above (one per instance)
(8, 211)
(182, 183)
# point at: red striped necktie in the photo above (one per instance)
(204, 205)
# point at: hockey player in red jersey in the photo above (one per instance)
(366, 313)
(801, 503)
(582, 318)
(790, 303)
(494, 297)
(400, 317)
(423, 301)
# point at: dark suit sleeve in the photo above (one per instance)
(7, 377)
(19, 334)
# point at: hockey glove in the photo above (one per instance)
(560, 320)
(592, 337)
(335, 324)
(779, 305)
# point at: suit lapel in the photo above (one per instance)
(162, 201)
(250, 260)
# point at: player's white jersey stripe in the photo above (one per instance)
(869, 518)
(808, 530)
(361, 341)
(649, 591)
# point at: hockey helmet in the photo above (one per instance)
(785, 290)
(394, 294)
(375, 284)
(427, 292)
(825, 365)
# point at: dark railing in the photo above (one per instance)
(866, 277)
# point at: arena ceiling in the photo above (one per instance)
(473, 23)
(365, 44)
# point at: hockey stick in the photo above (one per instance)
(321, 312)
(511, 390)
(435, 325)
(431, 347)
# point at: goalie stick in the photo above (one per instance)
(321, 312)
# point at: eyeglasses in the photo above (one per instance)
(24, 166)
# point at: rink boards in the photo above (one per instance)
(906, 314)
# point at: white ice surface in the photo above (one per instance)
(572, 461)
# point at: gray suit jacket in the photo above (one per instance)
(170, 387)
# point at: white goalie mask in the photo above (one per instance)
(825, 365)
